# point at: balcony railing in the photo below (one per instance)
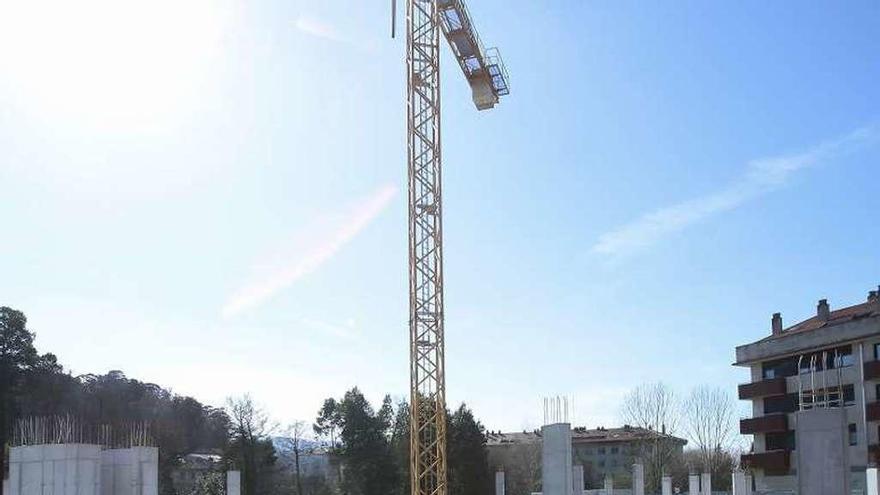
(772, 386)
(775, 461)
(764, 424)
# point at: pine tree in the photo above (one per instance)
(468, 462)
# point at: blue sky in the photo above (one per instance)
(209, 195)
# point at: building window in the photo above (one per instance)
(601, 464)
(779, 440)
(601, 450)
(830, 397)
(614, 450)
(779, 368)
(849, 395)
(846, 358)
(781, 404)
(829, 359)
(853, 434)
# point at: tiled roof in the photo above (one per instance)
(580, 435)
(837, 317)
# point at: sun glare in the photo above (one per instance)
(110, 63)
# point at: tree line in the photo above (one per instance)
(367, 447)
(371, 447)
(34, 384)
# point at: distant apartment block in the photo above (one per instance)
(601, 451)
(831, 360)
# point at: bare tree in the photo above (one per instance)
(294, 434)
(251, 429)
(654, 406)
(709, 416)
(521, 464)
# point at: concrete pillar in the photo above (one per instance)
(873, 482)
(233, 483)
(577, 480)
(706, 483)
(666, 485)
(499, 482)
(694, 484)
(609, 485)
(823, 452)
(739, 483)
(556, 459)
(638, 479)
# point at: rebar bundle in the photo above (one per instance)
(50, 430)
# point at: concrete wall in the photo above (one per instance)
(133, 471)
(75, 469)
(55, 470)
(822, 452)
(556, 459)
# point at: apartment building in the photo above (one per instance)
(831, 360)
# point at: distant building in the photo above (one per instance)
(194, 467)
(600, 451)
(830, 360)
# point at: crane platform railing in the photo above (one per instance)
(484, 69)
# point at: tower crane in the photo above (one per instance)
(487, 77)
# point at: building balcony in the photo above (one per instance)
(872, 370)
(764, 424)
(772, 386)
(774, 461)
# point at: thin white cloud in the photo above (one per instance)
(347, 330)
(318, 28)
(310, 254)
(761, 177)
(324, 30)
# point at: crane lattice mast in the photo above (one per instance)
(487, 77)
